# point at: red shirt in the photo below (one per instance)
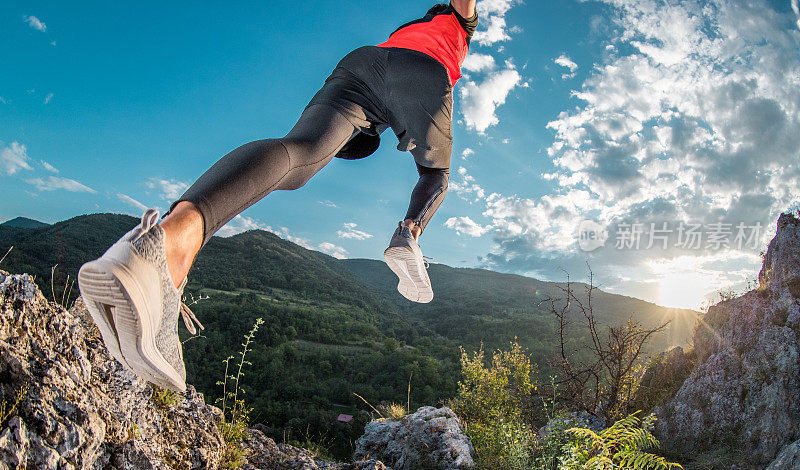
(442, 34)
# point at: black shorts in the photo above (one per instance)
(409, 91)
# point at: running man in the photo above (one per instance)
(134, 290)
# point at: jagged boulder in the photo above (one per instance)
(741, 398)
(788, 458)
(262, 453)
(429, 438)
(79, 408)
(82, 409)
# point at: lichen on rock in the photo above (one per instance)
(429, 438)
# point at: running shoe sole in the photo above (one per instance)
(119, 306)
(405, 265)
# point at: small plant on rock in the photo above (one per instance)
(622, 445)
(8, 407)
(235, 414)
(394, 411)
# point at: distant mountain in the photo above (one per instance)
(472, 306)
(262, 261)
(478, 306)
(65, 245)
(23, 222)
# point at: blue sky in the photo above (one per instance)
(619, 112)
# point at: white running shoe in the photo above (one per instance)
(131, 297)
(404, 257)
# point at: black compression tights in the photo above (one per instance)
(250, 172)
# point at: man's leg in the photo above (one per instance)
(247, 174)
(404, 255)
(426, 197)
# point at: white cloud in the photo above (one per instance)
(492, 13)
(240, 224)
(36, 23)
(2, 100)
(466, 187)
(14, 157)
(51, 183)
(132, 202)
(49, 167)
(284, 233)
(691, 116)
(466, 153)
(349, 231)
(796, 9)
(566, 62)
(48, 97)
(336, 251)
(170, 189)
(479, 101)
(328, 203)
(466, 226)
(477, 62)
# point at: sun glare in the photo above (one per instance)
(684, 290)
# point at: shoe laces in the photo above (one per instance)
(149, 220)
(189, 319)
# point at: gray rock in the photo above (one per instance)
(742, 395)
(429, 438)
(82, 409)
(262, 453)
(576, 419)
(663, 378)
(788, 458)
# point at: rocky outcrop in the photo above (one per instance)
(663, 378)
(575, 419)
(262, 453)
(79, 408)
(788, 458)
(82, 409)
(742, 397)
(429, 438)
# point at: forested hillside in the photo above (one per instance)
(332, 328)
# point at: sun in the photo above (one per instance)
(684, 289)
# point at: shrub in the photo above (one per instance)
(394, 411)
(622, 445)
(495, 405)
(552, 448)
